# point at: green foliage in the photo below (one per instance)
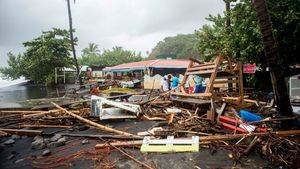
(177, 47)
(91, 49)
(108, 57)
(14, 69)
(90, 55)
(285, 17)
(242, 40)
(42, 55)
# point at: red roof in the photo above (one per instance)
(158, 63)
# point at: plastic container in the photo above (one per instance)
(248, 116)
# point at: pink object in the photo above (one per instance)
(249, 68)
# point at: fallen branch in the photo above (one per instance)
(108, 129)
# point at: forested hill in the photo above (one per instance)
(182, 46)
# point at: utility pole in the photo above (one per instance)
(72, 44)
(273, 59)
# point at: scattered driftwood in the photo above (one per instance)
(22, 132)
(108, 129)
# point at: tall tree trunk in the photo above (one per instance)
(227, 7)
(72, 44)
(273, 60)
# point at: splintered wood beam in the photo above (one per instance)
(102, 127)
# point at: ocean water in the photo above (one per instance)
(5, 82)
(13, 91)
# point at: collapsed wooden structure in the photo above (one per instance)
(225, 78)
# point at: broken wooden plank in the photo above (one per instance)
(22, 132)
(108, 129)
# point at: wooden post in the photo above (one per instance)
(185, 77)
(241, 85)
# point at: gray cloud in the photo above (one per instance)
(134, 24)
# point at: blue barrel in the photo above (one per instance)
(248, 116)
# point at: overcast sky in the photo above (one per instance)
(133, 24)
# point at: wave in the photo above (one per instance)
(7, 82)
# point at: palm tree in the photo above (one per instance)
(272, 58)
(91, 49)
(72, 43)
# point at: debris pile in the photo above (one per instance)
(180, 122)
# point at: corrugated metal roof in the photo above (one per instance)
(157, 63)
